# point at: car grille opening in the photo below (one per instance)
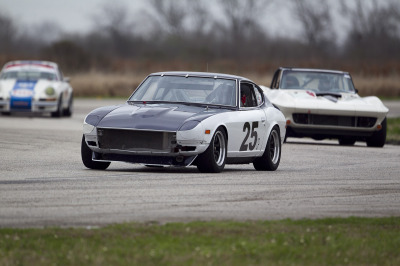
(334, 120)
(135, 140)
(91, 143)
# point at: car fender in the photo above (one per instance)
(6, 87)
(275, 118)
(95, 116)
(206, 128)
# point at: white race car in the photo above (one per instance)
(35, 86)
(185, 118)
(324, 104)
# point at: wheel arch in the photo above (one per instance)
(268, 133)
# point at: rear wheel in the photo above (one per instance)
(269, 161)
(86, 154)
(378, 139)
(213, 159)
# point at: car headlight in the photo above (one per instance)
(191, 130)
(87, 128)
(189, 125)
(50, 91)
(92, 119)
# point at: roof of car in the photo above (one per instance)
(31, 64)
(314, 70)
(200, 74)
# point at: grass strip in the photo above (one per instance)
(393, 131)
(334, 241)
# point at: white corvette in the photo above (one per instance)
(187, 118)
(324, 104)
(35, 86)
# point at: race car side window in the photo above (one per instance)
(249, 96)
(258, 94)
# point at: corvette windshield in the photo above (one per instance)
(199, 90)
(28, 75)
(319, 82)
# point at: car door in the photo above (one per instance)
(248, 126)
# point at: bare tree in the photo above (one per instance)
(242, 26)
(114, 24)
(316, 21)
(375, 29)
(8, 33)
(171, 15)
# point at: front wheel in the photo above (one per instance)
(59, 111)
(378, 139)
(68, 112)
(269, 161)
(86, 154)
(213, 159)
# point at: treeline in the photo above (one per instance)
(221, 35)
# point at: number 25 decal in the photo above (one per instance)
(247, 128)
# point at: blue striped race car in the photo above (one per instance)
(35, 86)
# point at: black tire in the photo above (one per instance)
(271, 157)
(347, 141)
(86, 155)
(68, 111)
(213, 159)
(59, 111)
(378, 139)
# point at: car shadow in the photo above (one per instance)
(31, 115)
(324, 143)
(176, 170)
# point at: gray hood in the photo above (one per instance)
(165, 117)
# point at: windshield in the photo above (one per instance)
(28, 75)
(200, 90)
(319, 82)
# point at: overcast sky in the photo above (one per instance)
(70, 15)
(76, 16)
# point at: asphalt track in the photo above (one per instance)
(43, 182)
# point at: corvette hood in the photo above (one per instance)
(329, 103)
(166, 117)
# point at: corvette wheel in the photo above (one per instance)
(59, 111)
(378, 139)
(213, 159)
(269, 161)
(86, 154)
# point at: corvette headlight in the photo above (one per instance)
(50, 91)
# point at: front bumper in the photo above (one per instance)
(142, 146)
(34, 106)
(329, 123)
